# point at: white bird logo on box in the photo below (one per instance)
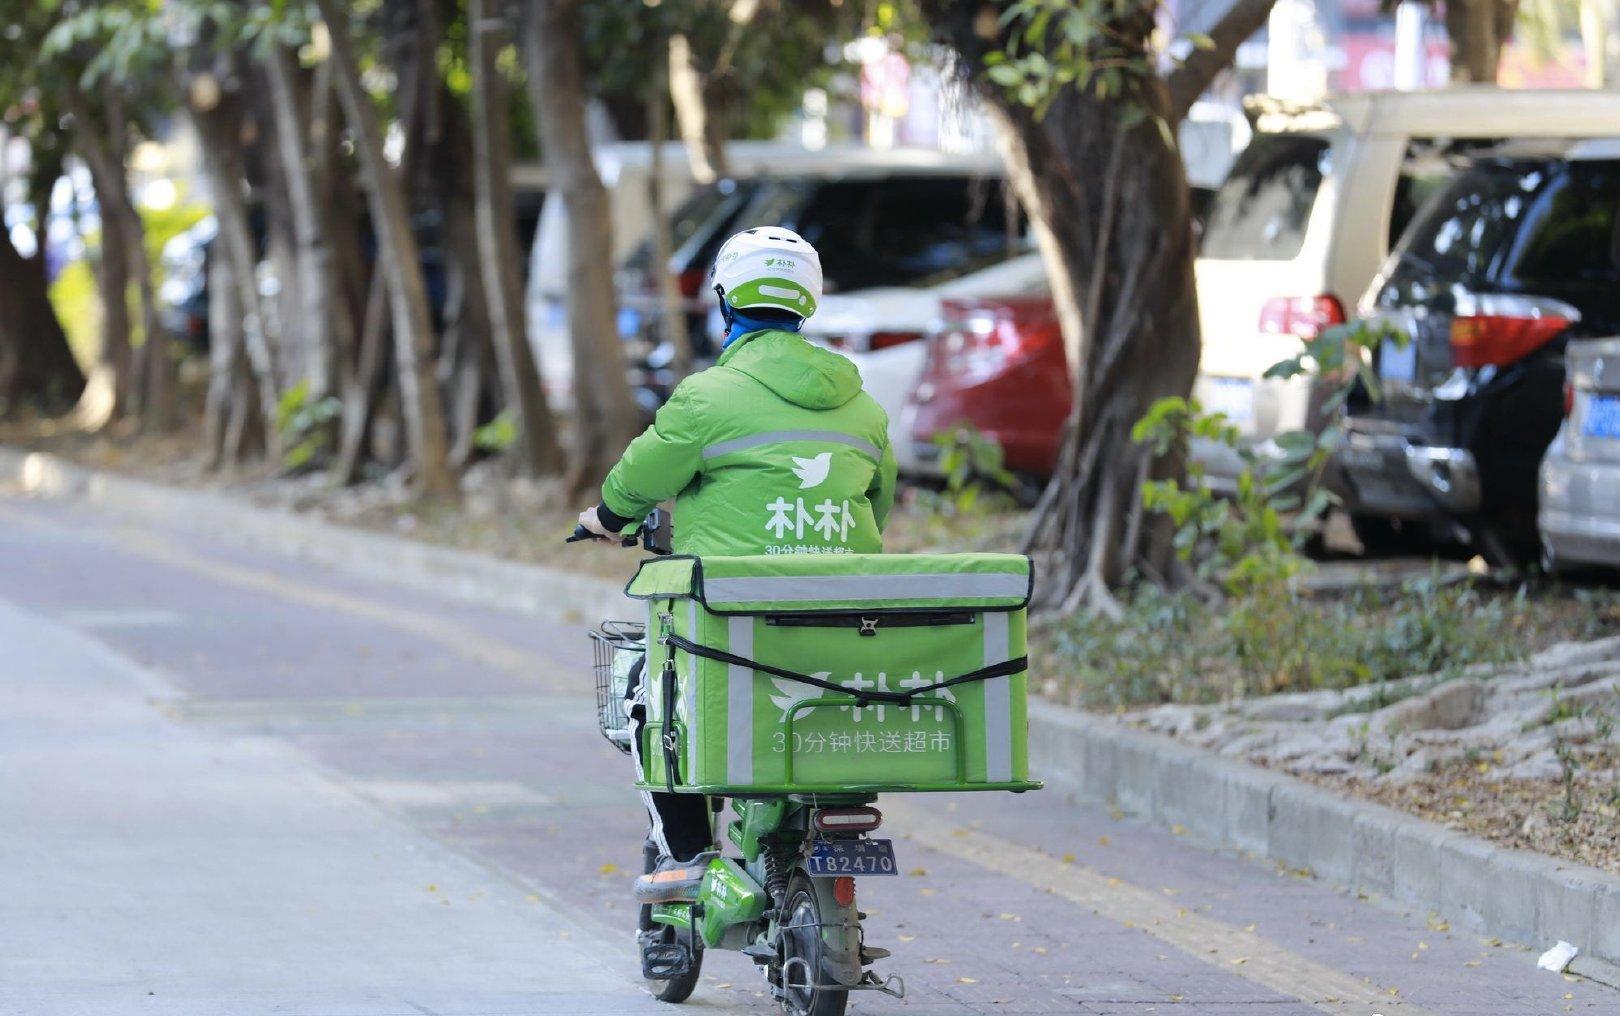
(812, 472)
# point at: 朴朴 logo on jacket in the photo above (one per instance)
(812, 472)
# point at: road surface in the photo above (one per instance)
(234, 783)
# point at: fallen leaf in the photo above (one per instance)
(1069, 858)
(1102, 841)
(1240, 961)
(919, 872)
(907, 938)
(1248, 927)
(609, 869)
(966, 980)
(927, 892)
(1178, 830)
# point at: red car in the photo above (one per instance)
(998, 365)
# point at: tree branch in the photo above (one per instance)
(1188, 81)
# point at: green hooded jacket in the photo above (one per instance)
(773, 450)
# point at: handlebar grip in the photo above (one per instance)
(580, 533)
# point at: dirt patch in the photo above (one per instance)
(1579, 821)
(1526, 754)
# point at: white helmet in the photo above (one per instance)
(769, 267)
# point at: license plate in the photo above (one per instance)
(1397, 362)
(1602, 417)
(1232, 397)
(852, 857)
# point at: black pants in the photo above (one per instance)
(680, 822)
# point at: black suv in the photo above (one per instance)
(1499, 272)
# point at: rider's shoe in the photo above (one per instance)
(674, 880)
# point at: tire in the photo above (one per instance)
(801, 940)
(678, 989)
(1380, 536)
(675, 989)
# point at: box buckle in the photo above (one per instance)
(869, 625)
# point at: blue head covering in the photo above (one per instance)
(740, 324)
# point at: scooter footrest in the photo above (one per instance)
(665, 961)
(759, 952)
(871, 954)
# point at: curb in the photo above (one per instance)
(374, 556)
(1221, 802)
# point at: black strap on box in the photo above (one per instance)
(863, 698)
(671, 743)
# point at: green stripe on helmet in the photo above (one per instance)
(772, 292)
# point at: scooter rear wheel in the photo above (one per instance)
(802, 961)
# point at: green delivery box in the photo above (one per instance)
(824, 673)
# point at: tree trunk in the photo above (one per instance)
(536, 452)
(1600, 37)
(37, 369)
(317, 318)
(219, 129)
(363, 389)
(421, 405)
(605, 418)
(1478, 30)
(671, 319)
(705, 144)
(107, 394)
(1109, 199)
(224, 355)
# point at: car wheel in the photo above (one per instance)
(1386, 537)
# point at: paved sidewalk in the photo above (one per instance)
(152, 867)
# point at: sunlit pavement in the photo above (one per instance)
(234, 784)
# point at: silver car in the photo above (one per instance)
(1580, 477)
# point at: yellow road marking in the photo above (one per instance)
(452, 636)
(1224, 946)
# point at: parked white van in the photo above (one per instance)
(1309, 211)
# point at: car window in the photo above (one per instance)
(902, 230)
(1460, 232)
(1571, 238)
(1260, 212)
(698, 248)
(1427, 166)
(701, 205)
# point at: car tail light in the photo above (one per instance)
(1569, 397)
(888, 340)
(848, 820)
(1495, 329)
(690, 282)
(1305, 317)
(976, 341)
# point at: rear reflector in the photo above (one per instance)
(844, 891)
(848, 820)
(1303, 316)
(1496, 329)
